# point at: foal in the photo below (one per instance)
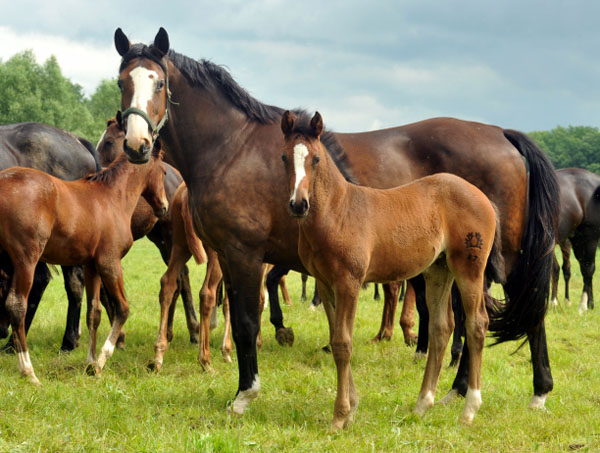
(86, 221)
(440, 225)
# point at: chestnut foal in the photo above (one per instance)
(440, 225)
(86, 221)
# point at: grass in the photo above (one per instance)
(183, 408)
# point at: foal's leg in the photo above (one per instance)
(407, 317)
(438, 285)
(476, 324)
(16, 307)
(226, 344)
(386, 330)
(284, 291)
(94, 312)
(208, 301)
(167, 299)
(74, 286)
(112, 278)
(346, 301)
(304, 278)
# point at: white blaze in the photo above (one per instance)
(300, 154)
(144, 84)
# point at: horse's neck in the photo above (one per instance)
(129, 185)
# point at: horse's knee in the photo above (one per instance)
(341, 349)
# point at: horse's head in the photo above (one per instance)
(144, 85)
(154, 190)
(301, 154)
(110, 145)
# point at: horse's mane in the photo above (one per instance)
(208, 75)
(115, 168)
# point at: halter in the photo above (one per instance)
(135, 111)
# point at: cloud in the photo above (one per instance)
(84, 63)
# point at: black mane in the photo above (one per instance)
(210, 76)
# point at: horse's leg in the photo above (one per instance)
(304, 278)
(585, 247)
(386, 330)
(542, 376)
(284, 291)
(418, 284)
(109, 303)
(316, 300)
(476, 324)
(16, 308)
(191, 317)
(73, 276)
(376, 295)
(459, 327)
(283, 335)
(346, 300)
(565, 249)
(112, 278)
(243, 278)
(167, 298)
(226, 344)
(94, 313)
(208, 301)
(554, 280)
(438, 285)
(407, 317)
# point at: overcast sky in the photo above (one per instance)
(528, 65)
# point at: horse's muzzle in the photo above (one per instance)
(140, 156)
(299, 209)
(162, 212)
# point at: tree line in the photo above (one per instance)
(39, 92)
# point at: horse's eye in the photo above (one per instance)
(316, 160)
(284, 157)
(159, 85)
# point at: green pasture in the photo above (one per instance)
(128, 409)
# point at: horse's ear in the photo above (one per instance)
(121, 42)
(119, 117)
(287, 123)
(316, 124)
(161, 41)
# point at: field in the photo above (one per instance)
(184, 409)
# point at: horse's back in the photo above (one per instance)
(579, 200)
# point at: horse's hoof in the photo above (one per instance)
(226, 356)
(285, 336)
(454, 360)
(121, 341)
(169, 335)
(194, 338)
(206, 366)
(419, 356)
(92, 370)
(411, 340)
(34, 380)
(450, 396)
(154, 366)
(326, 349)
(538, 402)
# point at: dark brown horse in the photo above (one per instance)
(226, 145)
(81, 222)
(579, 224)
(159, 230)
(439, 225)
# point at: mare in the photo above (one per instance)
(440, 225)
(66, 156)
(579, 224)
(158, 230)
(82, 222)
(226, 145)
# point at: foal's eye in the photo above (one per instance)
(316, 160)
(159, 85)
(284, 157)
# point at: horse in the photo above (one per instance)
(579, 224)
(66, 156)
(440, 225)
(158, 230)
(82, 222)
(222, 139)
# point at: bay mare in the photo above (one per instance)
(66, 156)
(82, 222)
(440, 226)
(221, 138)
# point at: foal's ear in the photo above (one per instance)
(119, 118)
(161, 41)
(316, 124)
(121, 42)
(287, 123)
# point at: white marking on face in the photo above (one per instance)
(144, 85)
(245, 397)
(300, 154)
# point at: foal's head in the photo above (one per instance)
(143, 81)
(110, 145)
(302, 152)
(154, 190)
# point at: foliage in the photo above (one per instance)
(128, 409)
(39, 92)
(573, 146)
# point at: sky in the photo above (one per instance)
(364, 65)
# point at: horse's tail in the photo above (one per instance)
(528, 284)
(92, 149)
(597, 194)
(193, 241)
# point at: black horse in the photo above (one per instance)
(579, 224)
(66, 156)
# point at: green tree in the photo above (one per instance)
(104, 104)
(573, 146)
